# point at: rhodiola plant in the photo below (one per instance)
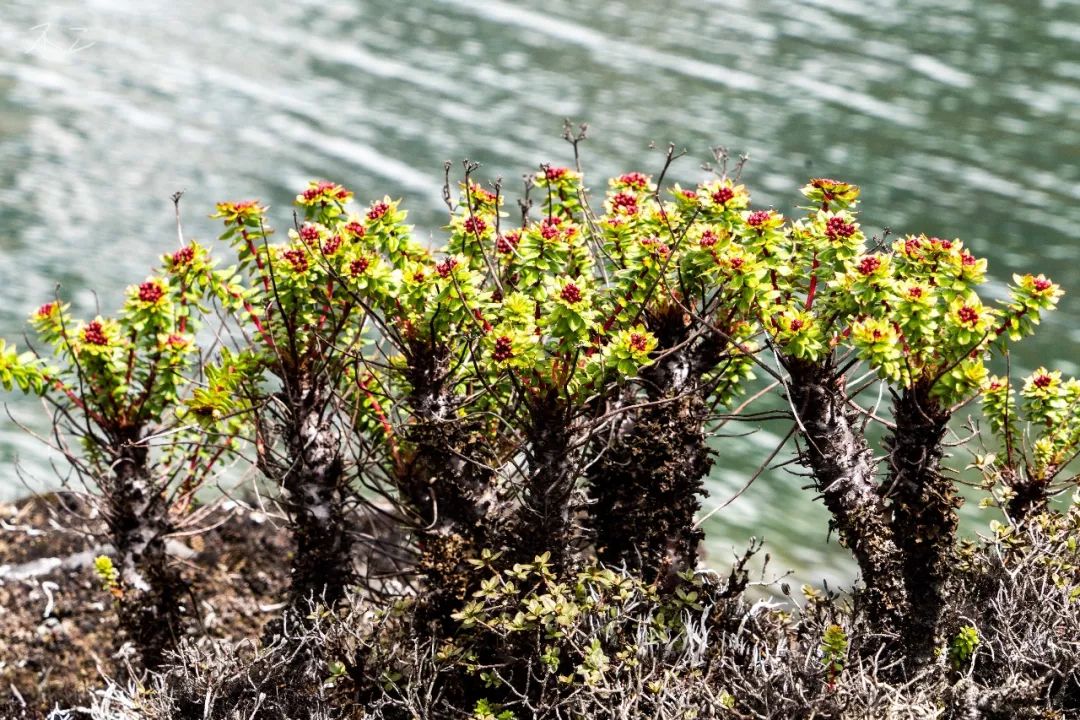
(913, 314)
(1038, 437)
(118, 387)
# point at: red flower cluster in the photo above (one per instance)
(446, 267)
(331, 246)
(968, 259)
(968, 314)
(571, 293)
(94, 334)
(722, 195)
(298, 258)
(309, 233)
(758, 218)
(638, 342)
(355, 230)
(689, 195)
(869, 264)
(836, 227)
(150, 292)
(796, 325)
(474, 225)
(506, 243)
(549, 228)
(1042, 285)
(377, 211)
(358, 266)
(708, 238)
(46, 310)
(184, 255)
(624, 203)
(943, 244)
(329, 189)
(635, 180)
(503, 349)
(555, 173)
(1042, 381)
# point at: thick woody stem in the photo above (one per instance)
(924, 520)
(137, 519)
(844, 473)
(315, 495)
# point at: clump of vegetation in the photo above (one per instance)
(528, 413)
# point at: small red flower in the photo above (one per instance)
(94, 334)
(624, 203)
(736, 263)
(634, 180)
(758, 218)
(968, 314)
(968, 259)
(298, 259)
(331, 246)
(555, 173)
(46, 310)
(571, 293)
(309, 233)
(506, 243)
(355, 230)
(503, 349)
(358, 266)
(377, 211)
(836, 227)
(722, 195)
(150, 292)
(708, 238)
(689, 195)
(869, 264)
(915, 292)
(418, 276)
(912, 246)
(446, 267)
(549, 228)
(638, 342)
(1042, 381)
(184, 255)
(1042, 285)
(176, 341)
(943, 244)
(474, 225)
(796, 325)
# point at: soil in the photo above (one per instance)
(58, 630)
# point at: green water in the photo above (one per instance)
(958, 118)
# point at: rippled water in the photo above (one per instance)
(959, 118)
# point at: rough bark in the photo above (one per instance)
(923, 503)
(647, 486)
(316, 491)
(446, 479)
(137, 519)
(844, 473)
(543, 520)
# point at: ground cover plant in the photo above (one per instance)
(490, 458)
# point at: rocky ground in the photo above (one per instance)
(58, 631)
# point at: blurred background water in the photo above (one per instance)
(958, 118)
